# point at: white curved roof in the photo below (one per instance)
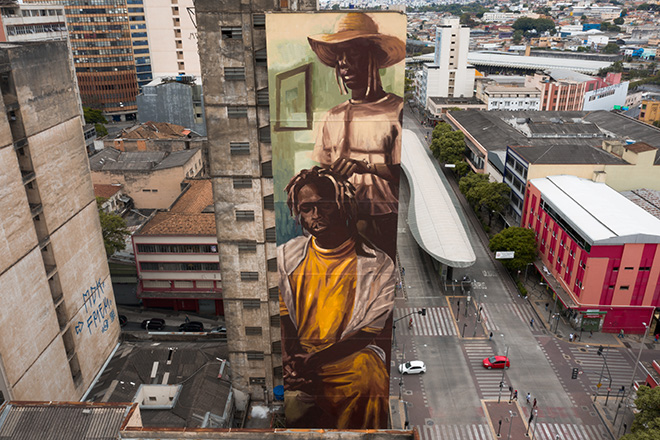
(432, 217)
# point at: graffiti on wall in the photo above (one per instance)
(336, 85)
(99, 311)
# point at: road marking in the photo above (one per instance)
(437, 322)
(566, 431)
(455, 432)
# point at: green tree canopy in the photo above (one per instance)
(467, 20)
(540, 25)
(619, 21)
(610, 48)
(519, 240)
(481, 193)
(468, 184)
(646, 425)
(113, 228)
(93, 116)
(517, 37)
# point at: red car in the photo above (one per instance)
(496, 362)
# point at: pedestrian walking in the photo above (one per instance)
(531, 322)
(591, 333)
(570, 337)
(187, 319)
(403, 271)
(529, 397)
(534, 404)
(621, 334)
(546, 306)
(657, 336)
(515, 395)
(490, 337)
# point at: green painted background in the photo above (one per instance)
(287, 49)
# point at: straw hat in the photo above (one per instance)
(356, 26)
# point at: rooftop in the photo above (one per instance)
(62, 420)
(155, 130)
(110, 159)
(495, 130)
(599, 213)
(566, 154)
(106, 191)
(191, 214)
(194, 365)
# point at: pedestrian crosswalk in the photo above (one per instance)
(566, 431)
(593, 364)
(437, 322)
(455, 432)
(544, 431)
(502, 311)
(488, 381)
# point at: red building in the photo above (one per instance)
(600, 251)
(176, 253)
(564, 90)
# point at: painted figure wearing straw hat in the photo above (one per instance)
(361, 138)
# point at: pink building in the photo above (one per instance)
(600, 251)
(564, 90)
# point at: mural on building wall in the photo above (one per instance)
(336, 87)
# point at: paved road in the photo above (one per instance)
(457, 398)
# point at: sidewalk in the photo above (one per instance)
(507, 419)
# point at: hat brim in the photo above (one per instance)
(389, 49)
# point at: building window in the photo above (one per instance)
(267, 169)
(260, 57)
(251, 304)
(249, 276)
(175, 267)
(264, 134)
(274, 293)
(231, 33)
(242, 182)
(629, 268)
(624, 287)
(253, 331)
(245, 215)
(645, 268)
(259, 21)
(237, 112)
(272, 264)
(235, 73)
(257, 381)
(239, 149)
(269, 202)
(271, 235)
(277, 347)
(247, 246)
(615, 269)
(275, 321)
(262, 97)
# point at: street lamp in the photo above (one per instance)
(511, 415)
(506, 355)
(536, 423)
(632, 378)
(419, 312)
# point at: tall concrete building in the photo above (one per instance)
(232, 42)
(172, 30)
(449, 75)
(31, 22)
(57, 314)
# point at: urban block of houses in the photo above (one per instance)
(176, 253)
(153, 179)
(155, 136)
(600, 248)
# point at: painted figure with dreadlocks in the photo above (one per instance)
(361, 138)
(336, 296)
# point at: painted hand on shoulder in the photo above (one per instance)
(346, 167)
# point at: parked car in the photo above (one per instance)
(222, 330)
(412, 367)
(123, 320)
(153, 324)
(191, 326)
(496, 362)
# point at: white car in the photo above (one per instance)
(412, 367)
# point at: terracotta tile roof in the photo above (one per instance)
(154, 130)
(186, 216)
(106, 191)
(640, 147)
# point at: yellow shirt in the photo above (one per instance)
(324, 285)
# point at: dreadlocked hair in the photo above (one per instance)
(344, 193)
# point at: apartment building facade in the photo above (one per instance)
(57, 312)
(32, 22)
(232, 43)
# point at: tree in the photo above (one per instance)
(540, 25)
(611, 48)
(481, 193)
(517, 37)
(93, 116)
(468, 183)
(584, 19)
(101, 130)
(113, 228)
(466, 19)
(449, 147)
(646, 425)
(619, 21)
(519, 240)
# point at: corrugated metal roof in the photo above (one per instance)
(61, 421)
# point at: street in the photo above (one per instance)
(457, 398)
